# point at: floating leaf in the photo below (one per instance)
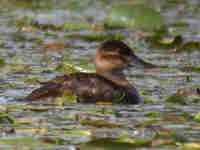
(197, 117)
(115, 144)
(169, 134)
(133, 16)
(191, 68)
(98, 36)
(67, 97)
(28, 141)
(178, 24)
(55, 46)
(189, 46)
(31, 130)
(24, 140)
(2, 62)
(77, 4)
(6, 118)
(101, 123)
(191, 146)
(38, 108)
(31, 80)
(153, 115)
(174, 118)
(28, 120)
(196, 100)
(81, 133)
(2, 44)
(76, 68)
(77, 25)
(52, 140)
(176, 99)
(158, 41)
(159, 142)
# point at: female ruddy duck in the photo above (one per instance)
(108, 84)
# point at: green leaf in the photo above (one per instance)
(197, 117)
(115, 144)
(133, 16)
(6, 118)
(176, 99)
(2, 62)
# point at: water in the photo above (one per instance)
(51, 126)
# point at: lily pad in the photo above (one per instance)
(133, 16)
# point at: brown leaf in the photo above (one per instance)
(55, 46)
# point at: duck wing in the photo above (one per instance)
(49, 90)
(88, 87)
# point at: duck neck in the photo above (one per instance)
(116, 76)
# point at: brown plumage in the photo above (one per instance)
(108, 84)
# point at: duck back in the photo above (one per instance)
(88, 87)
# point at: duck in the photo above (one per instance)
(107, 85)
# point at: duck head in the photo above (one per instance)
(113, 56)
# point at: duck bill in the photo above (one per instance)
(148, 67)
